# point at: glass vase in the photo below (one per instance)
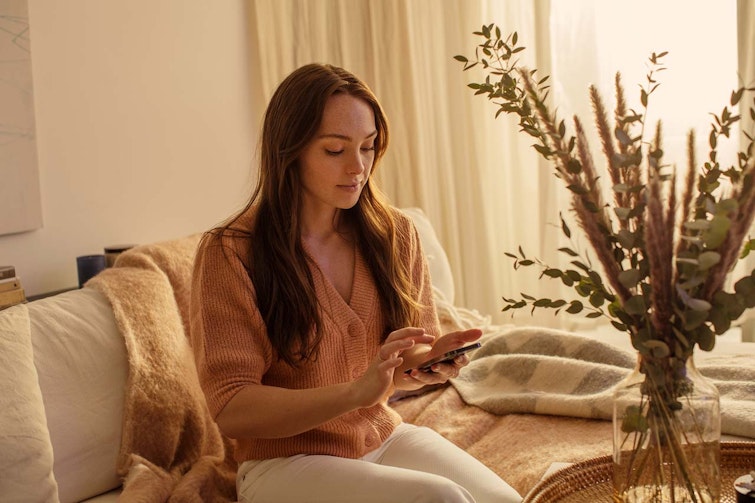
(666, 434)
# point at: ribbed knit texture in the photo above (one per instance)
(232, 348)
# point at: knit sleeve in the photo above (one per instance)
(229, 338)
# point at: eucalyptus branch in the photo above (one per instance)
(664, 270)
(585, 281)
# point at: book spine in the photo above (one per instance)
(12, 297)
(7, 271)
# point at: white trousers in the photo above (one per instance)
(414, 465)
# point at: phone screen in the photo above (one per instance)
(446, 358)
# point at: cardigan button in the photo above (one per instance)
(353, 330)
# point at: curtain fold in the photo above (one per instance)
(746, 58)
(476, 177)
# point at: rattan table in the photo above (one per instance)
(590, 481)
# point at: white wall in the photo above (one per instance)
(144, 127)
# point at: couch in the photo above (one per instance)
(99, 395)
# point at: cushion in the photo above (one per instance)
(437, 260)
(82, 365)
(26, 462)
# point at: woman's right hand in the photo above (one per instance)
(372, 387)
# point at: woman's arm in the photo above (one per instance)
(261, 411)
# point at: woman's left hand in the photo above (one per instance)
(442, 372)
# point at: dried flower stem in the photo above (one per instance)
(604, 132)
(586, 200)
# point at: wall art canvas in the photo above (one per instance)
(20, 203)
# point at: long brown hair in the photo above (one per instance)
(281, 276)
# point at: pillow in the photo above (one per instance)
(82, 365)
(437, 260)
(26, 464)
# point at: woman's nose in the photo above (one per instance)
(356, 165)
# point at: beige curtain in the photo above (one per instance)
(476, 177)
(746, 54)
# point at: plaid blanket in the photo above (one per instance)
(545, 371)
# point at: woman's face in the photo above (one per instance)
(337, 162)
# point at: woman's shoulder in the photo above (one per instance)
(235, 235)
(402, 220)
(405, 228)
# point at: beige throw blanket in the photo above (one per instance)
(545, 371)
(171, 449)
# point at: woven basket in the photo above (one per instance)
(590, 481)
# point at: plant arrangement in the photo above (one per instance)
(665, 242)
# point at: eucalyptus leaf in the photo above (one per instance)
(706, 339)
(658, 349)
(552, 273)
(575, 307)
(630, 278)
(693, 319)
(635, 305)
(717, 232)
(626, 238)
(622, 213)
(698, 304)
(708, 259)
(568, 251)
(597, 299)
(697, 225)
(745, 287)
(634, 420)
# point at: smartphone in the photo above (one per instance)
(445, 358)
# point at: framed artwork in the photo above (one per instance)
(20, 203)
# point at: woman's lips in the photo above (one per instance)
(352, 187)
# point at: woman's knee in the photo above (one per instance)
(443, 490)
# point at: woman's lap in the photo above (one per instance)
(414, 465)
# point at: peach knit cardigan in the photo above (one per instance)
(232, 349)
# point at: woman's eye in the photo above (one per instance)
(333, 152)
(367, 149)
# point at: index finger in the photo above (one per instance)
(414, 333)
(401, 345)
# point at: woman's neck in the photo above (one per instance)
(322, 227)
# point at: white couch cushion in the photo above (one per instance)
(109, 497)
(437, 260)
(26, 461)
(81, 360)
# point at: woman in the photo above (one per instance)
(313, 304)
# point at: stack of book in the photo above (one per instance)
(11, 292)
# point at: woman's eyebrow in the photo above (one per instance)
(345, 137)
